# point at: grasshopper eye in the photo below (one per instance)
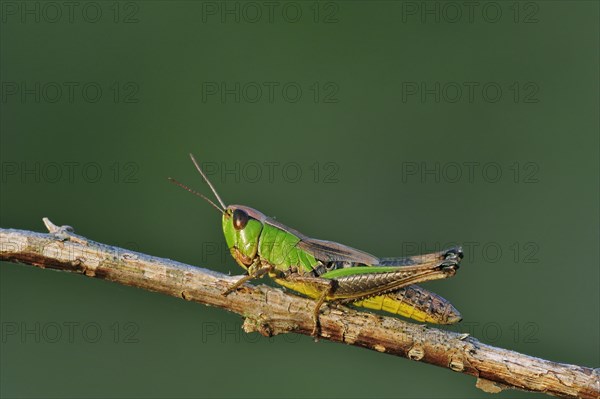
(240, 219)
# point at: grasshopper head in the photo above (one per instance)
(242, 226)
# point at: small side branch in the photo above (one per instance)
(271, 311)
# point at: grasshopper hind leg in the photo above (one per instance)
(316, 323)
(313, 287)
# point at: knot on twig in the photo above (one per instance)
(63, 233)
(54, 229)
(456, 364)
(490, 386)
(416, 353)
(266, 326)
(262, 327)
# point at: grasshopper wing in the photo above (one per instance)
(329, 251)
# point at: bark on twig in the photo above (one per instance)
(271, 311)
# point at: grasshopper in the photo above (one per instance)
(331, 272)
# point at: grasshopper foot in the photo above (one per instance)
(229, 290)
(237, 285)
(252, 274)
(316, 330)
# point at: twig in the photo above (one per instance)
(271, 311)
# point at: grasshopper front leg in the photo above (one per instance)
(255, 270)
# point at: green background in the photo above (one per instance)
(362, 131)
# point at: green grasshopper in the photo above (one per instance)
(332, 272)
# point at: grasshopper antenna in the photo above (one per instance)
(208, 182)
(196, 193)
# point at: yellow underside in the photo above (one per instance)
(393, 305)
(303, 288)
(381, 302)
